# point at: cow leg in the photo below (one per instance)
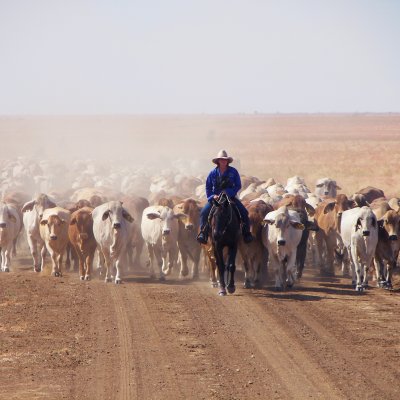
(196, 260)
(379, 267)
(14, 247)
(138, 252)
(330, 251)
(108, 264)
(184, 256)
(357, 268)
(301, 254)
(278, 270)
(118, 265)
(34, 252)
(54, 261)
(43, 252)
(161, 261)
(6, 257)
(59, 263)
(81, 264)
(68, 259)
(291, 270)
(389, 271)
(320, 238)
(89, 265)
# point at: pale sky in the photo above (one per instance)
(199, 56)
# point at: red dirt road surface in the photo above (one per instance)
(66, 339)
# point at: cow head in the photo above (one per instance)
(54, 224)
(390, 222)
(41, 203)
(366, 222)
(116, 214)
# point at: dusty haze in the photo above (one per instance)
(355, 149)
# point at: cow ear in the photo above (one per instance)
(180, 215)
(268, 221)
(51, 204)
(73, 221)
(297, 225)
(43, 222)
(338, 187)
(28, 206)
(329, 207)
(153, 215)
(127, 216)
(105, 215)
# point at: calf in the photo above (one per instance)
(359, 232)
(10, 225)
(281, 239)
(80, 233)
(54, 233)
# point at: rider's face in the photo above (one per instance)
(222, 162)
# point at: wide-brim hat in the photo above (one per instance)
(222, 154)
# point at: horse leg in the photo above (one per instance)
(231, 269)
(221, 270)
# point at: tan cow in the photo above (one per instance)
(255, 254)
(328, 216)
(80, 233)
(54, 232)
(188, 213)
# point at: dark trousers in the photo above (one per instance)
(244, 214)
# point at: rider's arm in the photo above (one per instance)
(237, 185)
(209, 187)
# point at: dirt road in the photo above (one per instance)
(65, 339)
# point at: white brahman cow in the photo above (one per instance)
(10, 225)
(33, 211)
(359, 231)
(282, 235)
(160, 232)
(112, 234)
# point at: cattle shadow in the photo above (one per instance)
(147, 280)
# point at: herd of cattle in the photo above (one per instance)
(355, 231)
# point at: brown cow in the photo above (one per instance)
(328, 217)
(188, 213)
(387, 249)
(370, 193)
(80, 233)
(255, 254)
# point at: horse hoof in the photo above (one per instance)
(359, 288)
(6, 269)
(162, 278)
(214, 284)
(185, 272)
(231, 289)
(87, 277)
(82, 278)
(118, 281)
(222, 292)
(246, 285)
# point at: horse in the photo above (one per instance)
(225, 230)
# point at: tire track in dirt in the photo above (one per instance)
(299, 376)
(126, 361)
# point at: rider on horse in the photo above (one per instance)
(223, 178)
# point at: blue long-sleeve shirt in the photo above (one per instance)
(213, 182)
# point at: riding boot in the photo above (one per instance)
(247, 236)
(202, 237)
